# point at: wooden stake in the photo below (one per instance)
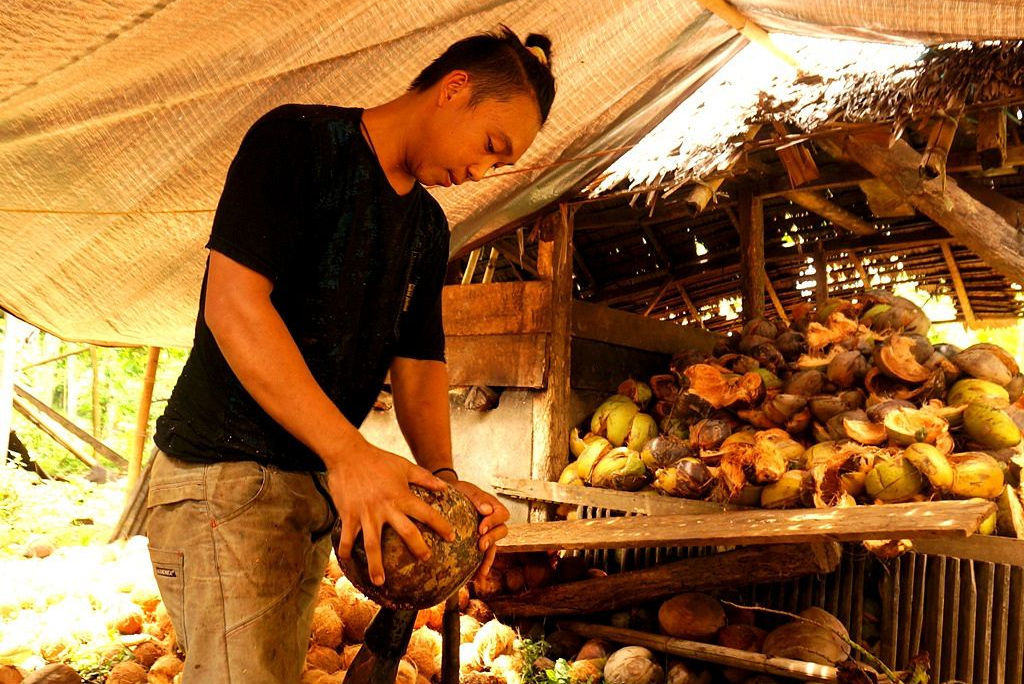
(100, 447)
(991, 142)
(474, 256)
(551, 406)
(858, 265)
(142, 419)
(694, 314)
(813, 201)
(958, 286)
(747, 660)
(94, 357)
(776, 302)
(752, 273)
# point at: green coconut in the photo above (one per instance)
(976, 474)
(990, 427)
(613, 418)
(975, 391)
(931, 463)
(893, 479)
(620, 468)
(784, 493)
(409, 582)
(642, 429)
(591, 454)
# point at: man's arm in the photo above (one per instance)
(369, 485)
(420, 389)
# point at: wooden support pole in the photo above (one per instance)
(94, 357)
(975, 225)
(991, 140)
(750, 30)
(551, 405)
(746, 565)
(732, 657)
(657, 297)
(776, 302)
(752, 273)
(858, 265)
(100, 447)
(958, 287)
(142, 418)
(492, 263)
(813, 201)
(694, 314)
(474, 257)
(820, 275)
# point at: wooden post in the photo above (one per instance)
(858, 265)
(12, 333)
(752, 274)
(940, 139)
(492, 263)
(551, 405)
(94, 357)
(958, 285)
(142, 420)
(991, 142)
(973, 224)
(820, 275)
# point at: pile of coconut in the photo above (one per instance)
(342, 614)
(813, 636)
(846, 406)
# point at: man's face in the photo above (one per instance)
(460, 143)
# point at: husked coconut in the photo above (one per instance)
(323, 658)
(148, 652)
(425, 651)
(492, 640)
(633, 665)
(127, 672)
(327, 628)
(692, 615)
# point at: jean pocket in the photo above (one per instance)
(233, 487)
(169, 570)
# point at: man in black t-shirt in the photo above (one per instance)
(325, 273)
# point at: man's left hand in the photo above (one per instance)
(492, 527)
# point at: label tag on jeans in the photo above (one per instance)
(166, 572)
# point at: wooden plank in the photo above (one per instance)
(815, 202)
(740, 567)
(774, 296)
(142, 417)
(600, 367)
(596, 322)
(474, 257)
(858, 265)
(935, 590)
(99, 446)
(979, 547)
(820, 275)
(551, 407)
(756, 662)
(983, 230)
(892, 521)
(497, 308)
(752, 274)
(983, 629)
(497, 360)
(958, 286)
(1015, 627)
(645, 503)
(968, 623)
(1000, 622)
(883, 202)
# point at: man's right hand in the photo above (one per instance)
(370, 488)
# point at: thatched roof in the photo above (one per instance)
(639, 238)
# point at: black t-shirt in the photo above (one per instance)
(357, 270)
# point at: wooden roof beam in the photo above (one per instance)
(974, 224)
(813, 201)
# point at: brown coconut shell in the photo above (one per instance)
(411, 583)
(692, 615)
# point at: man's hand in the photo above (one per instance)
(370, 488)
(492, 527)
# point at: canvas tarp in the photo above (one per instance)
(118, 118)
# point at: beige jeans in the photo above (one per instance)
(238, 551)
